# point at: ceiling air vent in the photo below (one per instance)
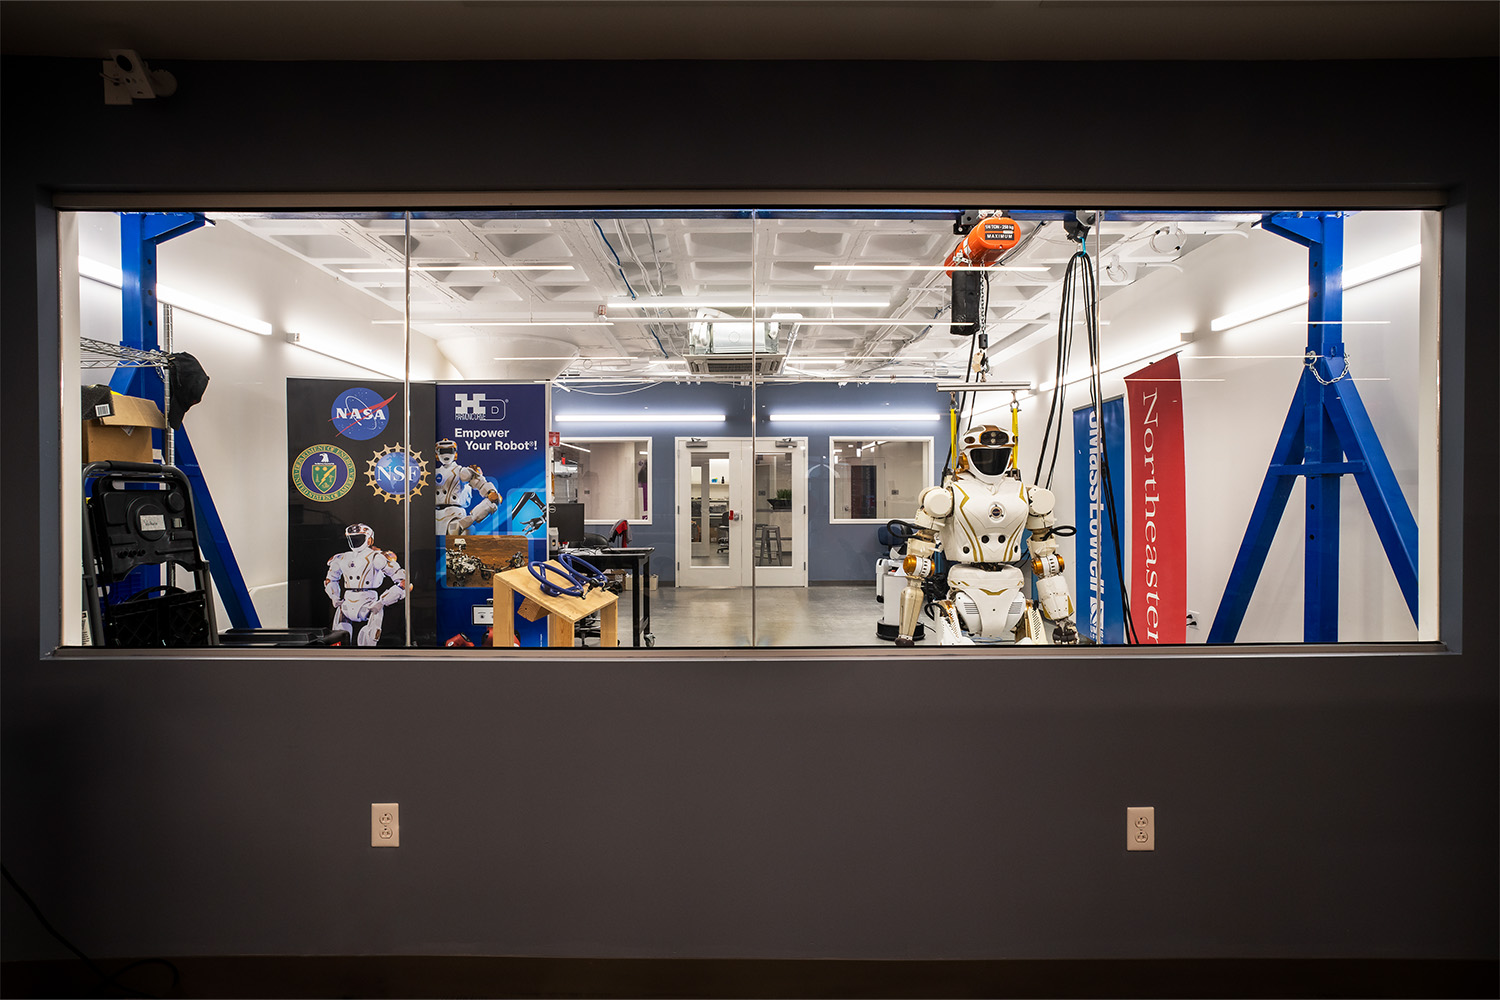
(734, 364)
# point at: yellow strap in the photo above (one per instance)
(1015, 432)
(952, 430)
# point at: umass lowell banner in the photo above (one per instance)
(1158, 504)
(1101, 613)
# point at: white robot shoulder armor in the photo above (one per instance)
(1040, 500)
(936, 501)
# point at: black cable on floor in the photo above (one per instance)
(108, 981)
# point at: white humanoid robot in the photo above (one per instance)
(454, 482)
(976, 519)
(353, 585)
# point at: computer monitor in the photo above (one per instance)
(567, 518)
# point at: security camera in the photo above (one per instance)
(128, 78)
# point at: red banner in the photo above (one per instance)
(1158, 504)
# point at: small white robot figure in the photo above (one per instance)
(454, 483)
(353, 585)
(976, 519)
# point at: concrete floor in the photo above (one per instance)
(834, 615)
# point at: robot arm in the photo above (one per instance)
(1051, 589)
(397, 577)
(934, 507)
(331, 581)
(476, 479)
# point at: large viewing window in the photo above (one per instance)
(732, 413)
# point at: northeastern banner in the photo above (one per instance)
(1158, 504)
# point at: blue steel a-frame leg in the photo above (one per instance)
(140, 235)
(1327, 435)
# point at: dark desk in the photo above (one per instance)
(638, 560)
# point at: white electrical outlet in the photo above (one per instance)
(1140, 828)
(385, 824)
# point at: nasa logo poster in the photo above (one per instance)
(490, 497)
(350, 480)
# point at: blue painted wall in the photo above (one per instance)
(836, 552)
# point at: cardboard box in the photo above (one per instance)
(117, 428)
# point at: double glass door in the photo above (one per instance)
(741, 512)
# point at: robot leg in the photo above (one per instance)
(447, 520)
(950, 629)
(370, 634)
(341, 624)
(482, 510)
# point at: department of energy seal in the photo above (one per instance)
(323, 473)
(392, 472)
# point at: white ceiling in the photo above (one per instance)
(556, 312)
(752, 29)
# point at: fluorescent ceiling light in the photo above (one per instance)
(692, 302)
(564, 444)
(638, 418)
(559, 357)
(459, 267)
(493, 322)
(852, 418)
(920, 267)
(107, 275)
(1171, 347)
(299, 340)
(1291, 298)
(984, 386)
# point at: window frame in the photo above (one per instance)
(929, 471)
(650, 467)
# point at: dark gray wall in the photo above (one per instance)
(1321, 804)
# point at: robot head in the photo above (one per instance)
(986, 453)
(447, 452)
(460, 544)
(359, 535)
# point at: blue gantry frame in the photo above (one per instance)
(1327, 435)
(140, 235)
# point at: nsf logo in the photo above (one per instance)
(477, 406)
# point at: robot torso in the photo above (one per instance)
(987, 522)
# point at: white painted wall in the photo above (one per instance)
(1232, 425)
(239, 429)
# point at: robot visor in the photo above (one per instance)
(989, 461)
(355, 541)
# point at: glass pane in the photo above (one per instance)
(270, 380)
(710, 508)
(775, 524)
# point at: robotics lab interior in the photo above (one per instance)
(900, 428)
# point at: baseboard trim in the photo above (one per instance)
(443, 976)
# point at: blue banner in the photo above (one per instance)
(490, 497)
(1101, 615)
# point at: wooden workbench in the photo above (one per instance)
(562, 612)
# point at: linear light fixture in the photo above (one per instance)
(1162, 351)
(852, 418)
(493, 322)
(459, 267)
(559, 357)
(984, 386)
(177, 299)
(693, 301)
(1291, 298)
(564, 444)
(299, 340)
(638, 418)
(922, 267)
